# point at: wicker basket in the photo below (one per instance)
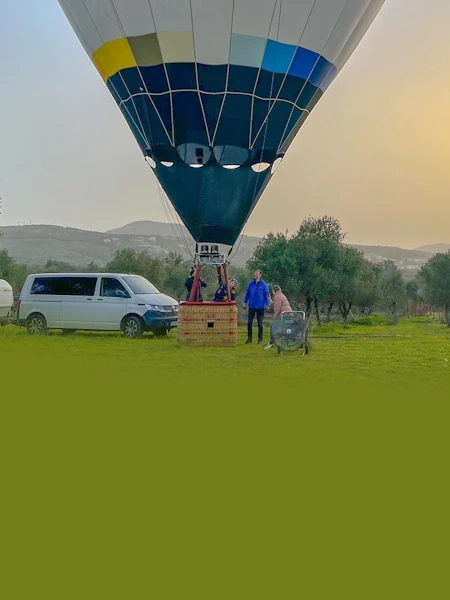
(208, 324)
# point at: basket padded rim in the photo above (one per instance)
(186, 303)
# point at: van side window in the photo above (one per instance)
(64, 286)
(111, 288)
(81, 286)
(49, 286)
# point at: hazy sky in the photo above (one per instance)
(375, 152)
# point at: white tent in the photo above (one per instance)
(6, 298)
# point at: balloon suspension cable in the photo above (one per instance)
(177, 227)
(209, 256)
(195, 295)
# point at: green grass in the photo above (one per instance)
(414, 351)
(136, 469)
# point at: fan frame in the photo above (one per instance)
(305, 346)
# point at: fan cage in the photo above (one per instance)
(290, 331)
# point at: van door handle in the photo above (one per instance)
(100, 299)
(89, 299)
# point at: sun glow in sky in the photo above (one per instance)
(374, 153)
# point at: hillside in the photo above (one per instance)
(148, 228)
(435, 248)
(36, 244)
(246, 245)
(408, 261)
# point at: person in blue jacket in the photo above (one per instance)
(258, 299)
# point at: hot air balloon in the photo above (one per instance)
(215, 91)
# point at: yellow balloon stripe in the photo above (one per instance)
(113, 57)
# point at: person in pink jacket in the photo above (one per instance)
(280, 305)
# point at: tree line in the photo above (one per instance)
(316, 270)
(168, 274)
(325, 277)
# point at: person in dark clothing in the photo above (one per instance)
(258, 299)
(233, 283)
(221, 294)
(190, 282)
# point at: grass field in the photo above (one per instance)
(137, 469)
(414, 351)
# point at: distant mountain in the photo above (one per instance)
(245, 245)
(34, 245)
(408, 261)
(149, 228)
(435, 248)
(398, 255)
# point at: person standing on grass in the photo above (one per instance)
(280, 305)
(257, 298)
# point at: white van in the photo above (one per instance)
(6, 300)
(95, 302)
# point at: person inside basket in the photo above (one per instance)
(280, 305)
(221, 292)
(190, 282)
(233, 291)
(257, 297)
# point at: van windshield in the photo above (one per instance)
(140, 285)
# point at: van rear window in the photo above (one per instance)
(64, 286)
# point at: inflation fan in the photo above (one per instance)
(290, 332)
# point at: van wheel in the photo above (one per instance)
(36, 325)
(132, 327)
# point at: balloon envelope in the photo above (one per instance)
(215, 91)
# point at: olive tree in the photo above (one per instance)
(435, 275)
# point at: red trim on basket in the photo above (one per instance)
(187, 303)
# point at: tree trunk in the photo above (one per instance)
(447, 314)
(394, 312)
(392, 308)
(345, 311)
(342, 309)
(308, 307)
(316, 308)
(329, 309)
